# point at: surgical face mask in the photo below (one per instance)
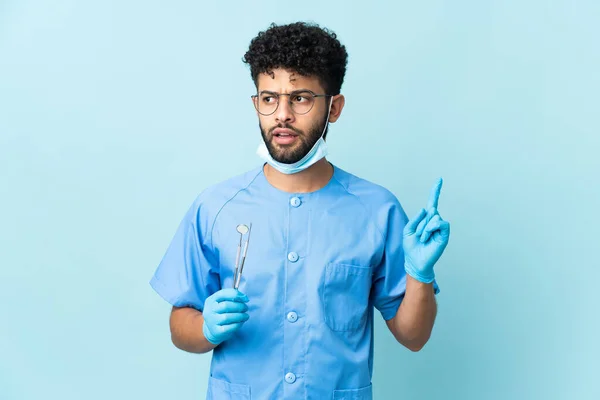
(317, 152)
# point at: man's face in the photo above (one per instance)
(289, 136)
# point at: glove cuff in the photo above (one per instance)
(209, 337)
(424, 278)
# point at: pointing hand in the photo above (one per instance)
(425, 238)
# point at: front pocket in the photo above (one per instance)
(364, 393)
(345, 294)
(222, 390)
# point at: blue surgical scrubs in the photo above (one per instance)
(317, 266)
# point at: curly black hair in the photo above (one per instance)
(305, 48)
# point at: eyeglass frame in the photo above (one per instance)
(275, 94)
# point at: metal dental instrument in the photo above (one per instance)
(242, 229)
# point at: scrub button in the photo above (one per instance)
(293, 257)
(292, 316)
(290, 378)
(295, 202)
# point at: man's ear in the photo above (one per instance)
(254, 100)
(336, 107)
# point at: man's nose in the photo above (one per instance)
(284, 113)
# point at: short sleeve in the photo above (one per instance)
(188, 272)
(389, 277)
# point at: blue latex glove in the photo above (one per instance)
(425, 238)
(224, 313)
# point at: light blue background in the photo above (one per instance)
(115, 114)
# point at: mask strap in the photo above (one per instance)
(327, 121)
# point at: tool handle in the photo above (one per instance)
(237, 260)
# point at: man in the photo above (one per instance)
(324, 247)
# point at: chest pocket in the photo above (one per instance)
(222, 390)
(345, 296)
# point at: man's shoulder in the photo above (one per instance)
(377, 200)
(219, 193)
(367, 191)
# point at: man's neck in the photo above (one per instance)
(311, 179)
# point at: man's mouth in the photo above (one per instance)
(282, 132)
(284, 136)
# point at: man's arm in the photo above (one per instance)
(413, 322)
(424, 239)
(186, 330)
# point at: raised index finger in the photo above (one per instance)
(434, 195)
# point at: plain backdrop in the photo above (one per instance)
(114, 115)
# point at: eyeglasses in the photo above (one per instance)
(301, 101)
